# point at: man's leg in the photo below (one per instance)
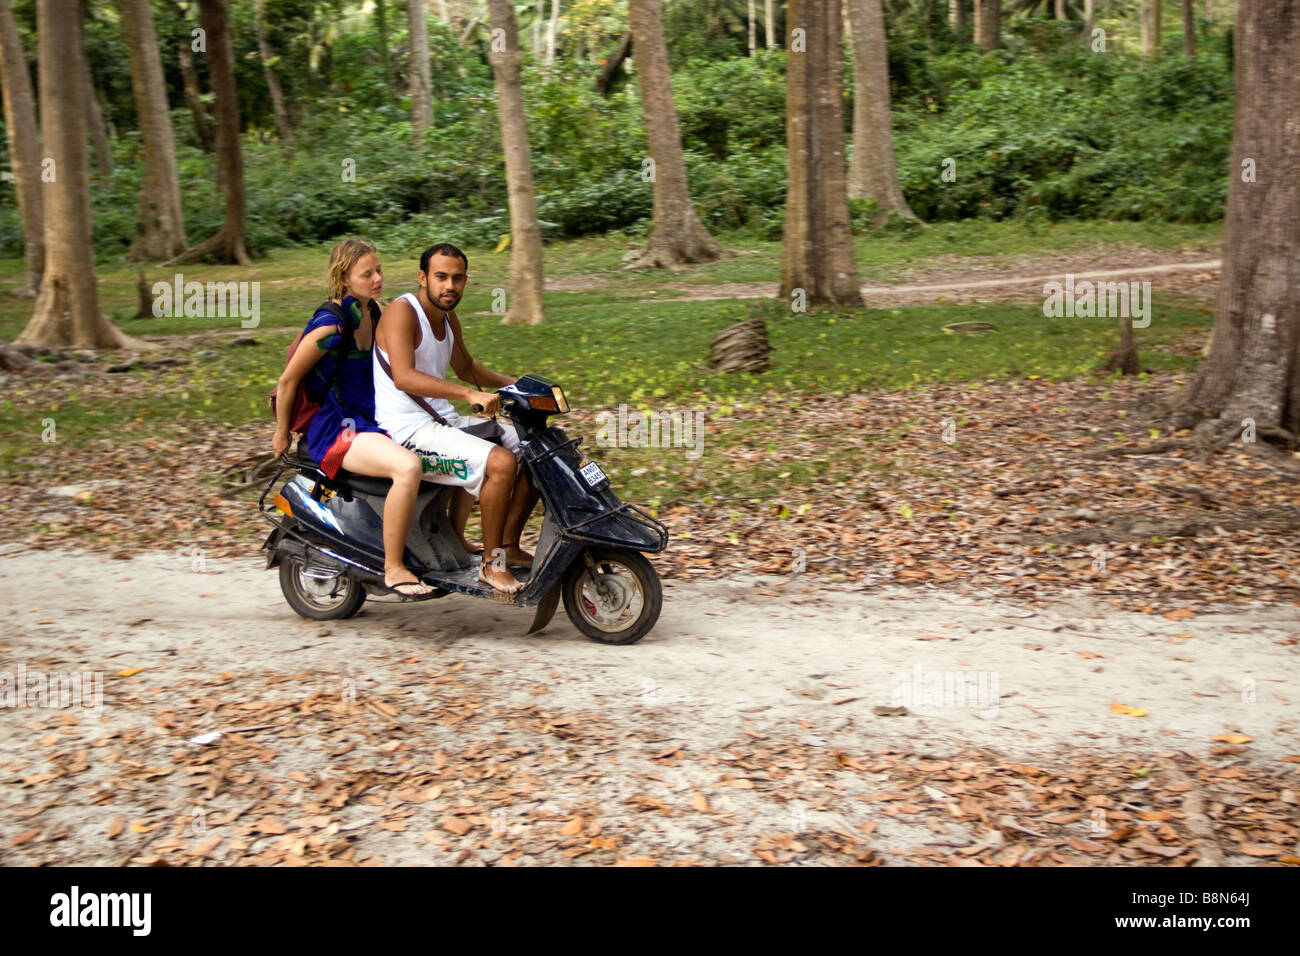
(480, 468)
(494, 498)
(461, 503)
(523, 499)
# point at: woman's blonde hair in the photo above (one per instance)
(342, 258)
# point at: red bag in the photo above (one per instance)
(304, 409)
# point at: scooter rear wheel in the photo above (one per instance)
(320, 598)
(625, 603)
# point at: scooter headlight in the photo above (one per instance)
(555, 403)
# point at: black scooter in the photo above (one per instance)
(328, 535)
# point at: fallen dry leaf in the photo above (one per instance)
(1253, 849)
(456, 825)
(1118, 708)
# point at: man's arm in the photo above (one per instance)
(468, 369)
(397, 330)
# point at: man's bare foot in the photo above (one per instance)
(518, 557)
(499, 578)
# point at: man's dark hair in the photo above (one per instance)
(442, 249)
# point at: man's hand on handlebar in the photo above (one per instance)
(490, 402)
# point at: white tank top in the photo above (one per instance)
(395, 411)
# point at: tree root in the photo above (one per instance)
(656, 255)
(1136, 527)
(224, 247)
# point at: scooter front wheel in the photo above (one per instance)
(318, 595)
(621, 604)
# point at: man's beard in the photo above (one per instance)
(447, 304)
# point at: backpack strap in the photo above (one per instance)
(347, 342)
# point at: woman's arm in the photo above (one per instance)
(286, 390)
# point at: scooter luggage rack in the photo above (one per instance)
(641, 517)
(261, 502)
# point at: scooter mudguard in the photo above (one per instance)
(546, 609)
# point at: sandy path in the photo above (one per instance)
(725, 662)
(1202, 278)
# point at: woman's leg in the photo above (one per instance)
(377, 455)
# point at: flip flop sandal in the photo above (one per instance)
(410, 596)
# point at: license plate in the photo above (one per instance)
(592, 474)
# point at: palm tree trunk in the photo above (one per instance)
(550, 32)
(160, 228)
(874, 174)
(676, 233)
(272, 78)
(385, 55)
(67, 309)
(988, 25)
(1254, 366)
(230, 243)
(24, 148)
(524, 306)
(420, 79)
(95, 120)
(817, 258)
(193, 99)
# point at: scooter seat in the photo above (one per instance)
(344, 479)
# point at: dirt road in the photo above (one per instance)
(745, 728)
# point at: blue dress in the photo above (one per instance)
(351, 402)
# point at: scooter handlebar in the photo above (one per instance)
(476, 407)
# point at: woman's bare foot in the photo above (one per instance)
(403, 583)
(470, 547)
(499, 578)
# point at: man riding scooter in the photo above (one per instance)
(417, 337)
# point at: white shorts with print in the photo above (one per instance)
(451, 457)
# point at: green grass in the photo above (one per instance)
(601, 359)
(292, 280)
(615, 344)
